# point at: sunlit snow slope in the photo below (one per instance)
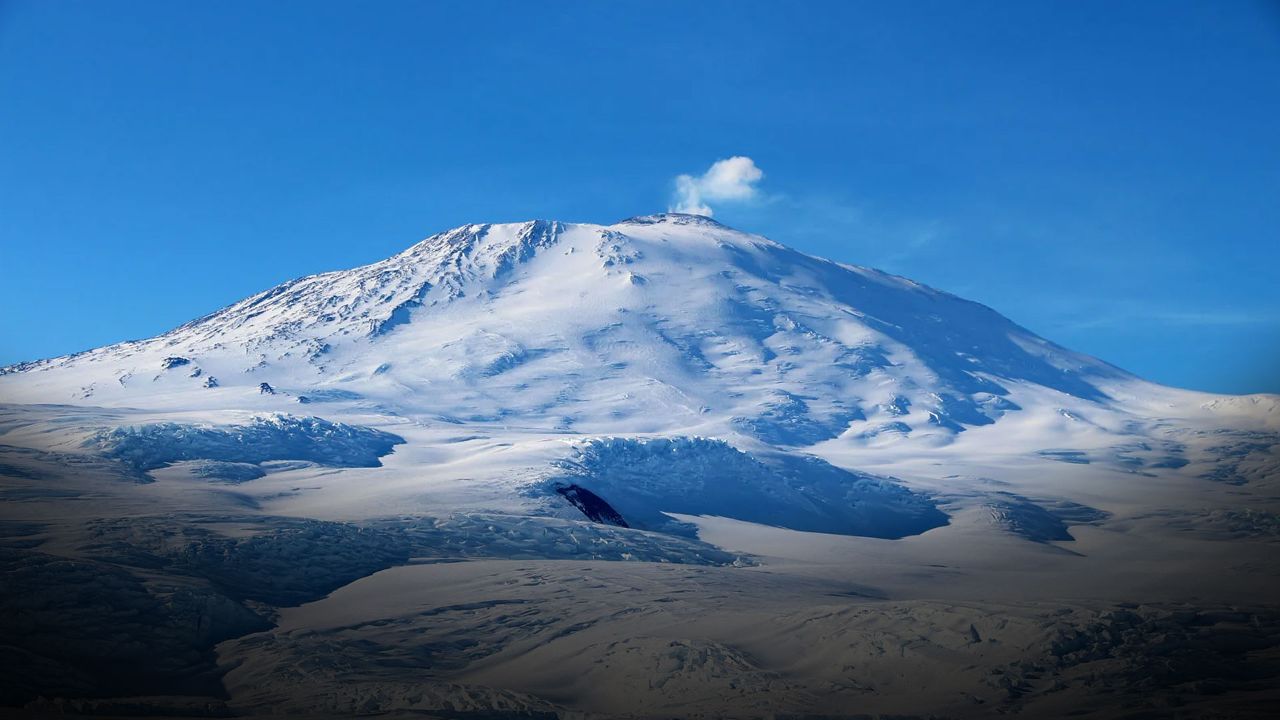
(666, 325)
(669, 322)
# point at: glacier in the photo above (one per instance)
(270, 437)
(643, 479)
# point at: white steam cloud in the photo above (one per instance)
(729, 179)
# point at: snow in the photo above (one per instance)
(644, 479)
(270, 437)
(838, 486)
(527, 333)
(541, 320)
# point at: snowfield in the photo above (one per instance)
(658, 468)
(642, 479)
(274, 437)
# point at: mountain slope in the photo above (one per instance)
(543, 323)
(486, 347)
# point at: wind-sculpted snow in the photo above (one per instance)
(1239, 525)
(274, 437)
(786, 420)
(140, 606)
(687, 320)
(485, 535)
(1036, 522)
(1244, 457)
(644, 478)
(378, 298)
(230, 472)
(281, 561)
(655, 641)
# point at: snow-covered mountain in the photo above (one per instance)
(527, 343)
(669, 321)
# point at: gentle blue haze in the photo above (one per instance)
(1106, 174)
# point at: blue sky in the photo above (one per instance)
(1106, 174)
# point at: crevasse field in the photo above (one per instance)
(657, 469)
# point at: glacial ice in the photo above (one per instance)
(642, 479)
(269, 437)
(1040, 521)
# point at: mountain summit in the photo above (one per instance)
(656, 323)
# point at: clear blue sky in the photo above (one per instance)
(1107, 174)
